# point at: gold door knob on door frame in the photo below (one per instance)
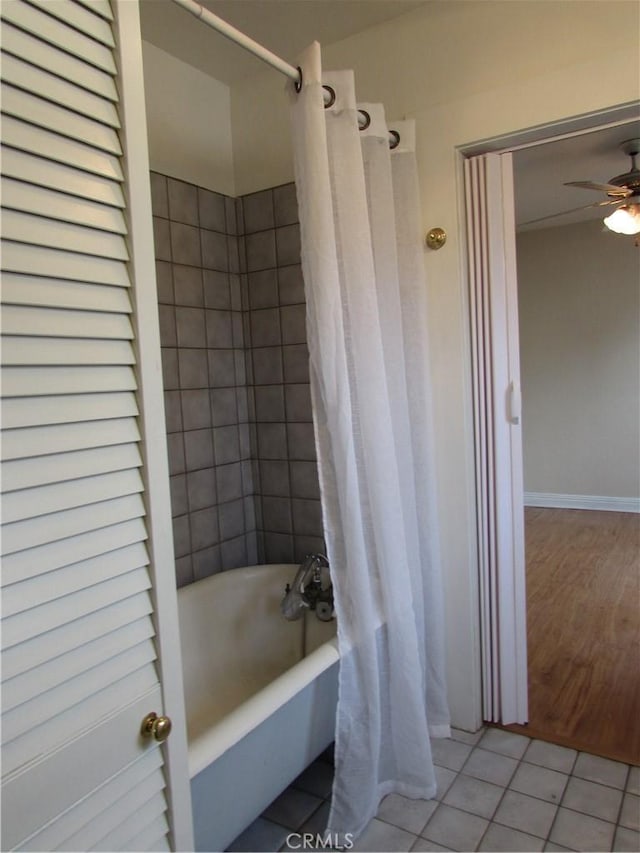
(156, 727)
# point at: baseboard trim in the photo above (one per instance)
(611, 504)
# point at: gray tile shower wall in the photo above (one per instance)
(203, 360)
(287, 491)
(244, 484)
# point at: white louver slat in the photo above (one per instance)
(41, 441)
(29, 503)
(73, 465)
(40, 679)
(78, 17)
(111, 832)
(116, 818)
(17, 195)
(19, 43)
(56, 293)
(26, 564)
(52, 614)
(38, 231)
(61, 830)
(33, 169)
(99, 7)
(21, 136)
(43, 738)
(42, 648)
(65, 698)
(36, 260)
(153, 837)
(27, 350)
(67, 468)
(58, 91)
(29, 382)
(69, 522)
(79, 668)
(119, 838)
(59, 34)
(38, 799)
(51, 116)
(69, 579)
(30, 320)
(69, 409)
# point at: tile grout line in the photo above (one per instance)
(416, 837)
(504, 791)
(564, 793)
(618, 825)
(615, 823)
(570, 776)
(547, 838)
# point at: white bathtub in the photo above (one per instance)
(260, 696)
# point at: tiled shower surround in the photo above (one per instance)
(244, 483)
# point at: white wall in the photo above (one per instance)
(467, 71)
(189, 122)
(579, 308)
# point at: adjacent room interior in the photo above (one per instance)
(579, 354)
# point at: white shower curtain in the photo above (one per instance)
(366, 327)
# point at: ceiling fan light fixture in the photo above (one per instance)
(624, 220)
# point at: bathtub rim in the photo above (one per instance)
(207, 747)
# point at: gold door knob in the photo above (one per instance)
(156, 727)
(436, 238)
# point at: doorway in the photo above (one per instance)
(577, 669)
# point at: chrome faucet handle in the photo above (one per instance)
(307, 590)
(318, 559)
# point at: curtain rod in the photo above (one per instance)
(224, 28)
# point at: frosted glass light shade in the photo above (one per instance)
(624, 220)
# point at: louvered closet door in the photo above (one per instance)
(79, 668)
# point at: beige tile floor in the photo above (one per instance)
(497, 791)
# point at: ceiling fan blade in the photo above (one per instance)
(572, 210)
(612, 189)
(604, 203)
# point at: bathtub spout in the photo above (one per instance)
(308, 591)
(294, 602)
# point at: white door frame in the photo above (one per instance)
(502, 581)
(152, 420)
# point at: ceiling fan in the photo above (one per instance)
(623, 193)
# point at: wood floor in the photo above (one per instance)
(583, 631)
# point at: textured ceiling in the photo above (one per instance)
(285, 27)
(541, 171)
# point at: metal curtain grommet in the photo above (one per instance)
(298, 83)
(367, 120)
(396, 139)
(332, 96)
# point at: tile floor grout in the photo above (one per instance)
(570, 807)
(506, 789)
